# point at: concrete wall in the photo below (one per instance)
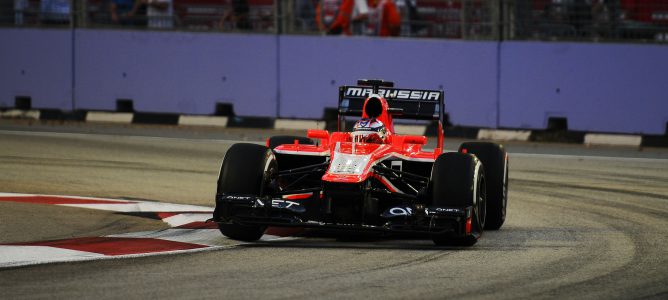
(36, 63)
(313, 67)
(176, 72)
(598, 87)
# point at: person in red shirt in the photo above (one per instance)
(333, 16)
(383, 18)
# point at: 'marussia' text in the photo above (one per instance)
(393, 93)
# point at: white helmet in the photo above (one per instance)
(369, 131)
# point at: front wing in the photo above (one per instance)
(309, 213)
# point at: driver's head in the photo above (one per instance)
(369, 130)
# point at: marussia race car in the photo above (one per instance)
(370, 179)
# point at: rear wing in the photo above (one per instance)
(403, 103)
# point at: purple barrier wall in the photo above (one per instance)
(36, 63)
(176, 72)
(598, 87)
(311, 69)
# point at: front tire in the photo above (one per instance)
(495, 159)
(458, 180)
(247, 169)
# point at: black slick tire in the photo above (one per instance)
(495, 160)
(458, 180)
(246, 169)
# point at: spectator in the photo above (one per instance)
(237, 13)
(359, 17)
(159, 13)
(304, 12)
(383, 19)
(580, 15)
(413, 25)
(19, 9)
(126, 12)
(602, 18)
(333, 16)
(55, 11)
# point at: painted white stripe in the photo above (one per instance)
(410, 129)
(16, 195)
(504, 135)
(22, 114)
(202, 121)
(269, 237)
(144, 207)
(298, 124)
(186, 218)
(612, 139)
(109, 117)
(76, 257)
(13, 256)
(206, 237)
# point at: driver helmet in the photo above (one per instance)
(369, 130)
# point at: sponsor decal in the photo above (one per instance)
(363, 92)
(398, 211)
(348, 164)
(451, 210)
(283, 203)
(233, 197)
(401, 211)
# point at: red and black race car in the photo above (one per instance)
(369, 179)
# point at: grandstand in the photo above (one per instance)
(570, 20)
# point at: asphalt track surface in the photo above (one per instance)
(582, 223)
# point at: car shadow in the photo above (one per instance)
(509, 238)
(317, 239)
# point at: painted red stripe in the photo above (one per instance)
(59, 200)
(165, 215)
(116, 246)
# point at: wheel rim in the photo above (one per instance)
(505, 191)
(481, 205)
(268, 178)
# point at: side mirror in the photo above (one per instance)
(317, 134)
(415, 139)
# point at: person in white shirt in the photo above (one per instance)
(159, 13)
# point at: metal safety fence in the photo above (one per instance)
(571, 20)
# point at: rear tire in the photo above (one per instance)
(495, 159)
(278, 140)
(246, 169)
(458, 180)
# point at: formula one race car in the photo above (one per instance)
(370, 179)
